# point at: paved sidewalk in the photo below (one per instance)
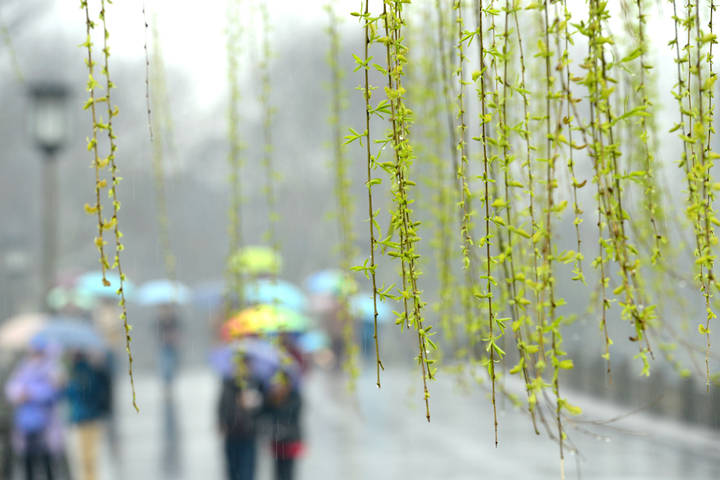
(382, 435)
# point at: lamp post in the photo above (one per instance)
(48, 126)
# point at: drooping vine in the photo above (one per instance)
(146, 26)
(267, 127)
(7, 40)
(106, 167)
(463, 187)
(492, 340)
(235, 289)
(160, 128)
(370, 34)
(402, 218)
(345, 205)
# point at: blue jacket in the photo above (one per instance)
(32, 389)
(87, 391)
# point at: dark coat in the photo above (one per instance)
(284, 418)
(237, 418)
(87, 391)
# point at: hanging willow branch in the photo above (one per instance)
(235, 290)
(345, 205)
(160, 128)
(402, 218)
(267, 109)
(463, 187)
(101, 165)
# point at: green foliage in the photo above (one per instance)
(106, 170)
(343, 198)
(161, 126)
(562, 98)
(234, 290)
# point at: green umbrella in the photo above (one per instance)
(256, 260)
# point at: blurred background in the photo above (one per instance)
(60, 323)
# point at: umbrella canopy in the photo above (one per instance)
(256, 260)
(313, 341)
(16, 332)
(264, 319)
(91, 283)
(330, 282)
(263, 359)
(69, 333)
(362, 308)
(61, 297)
(275, 292)
(162, 291)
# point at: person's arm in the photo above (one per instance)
(225, 405)
(14, 388)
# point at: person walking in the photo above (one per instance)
(283, 405)
(168, 330)
(240, 405)
(33, 389)
(87, 393)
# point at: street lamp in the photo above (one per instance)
(48, 124)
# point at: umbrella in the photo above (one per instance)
(362, 308)
(69, 333)
(60, 297)
(264, 319)
(16, 332)
(275, 292)
(91, 283)
(263, 359)
(158, 292)
(333, 282)
(313, 341)
(256, 260)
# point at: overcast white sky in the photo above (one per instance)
(192, 33)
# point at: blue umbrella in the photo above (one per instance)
(69, 333)
(91, 283)
(264, 359)
(275, 292)
(361, 308)
(158, 292)
(333, 282)
(313, 341)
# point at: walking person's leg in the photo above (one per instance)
(284, 468)
(30, 457)
(232, 458)
(91, 437)
(248, 459)
(47, 462)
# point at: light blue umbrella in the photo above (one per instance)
(69, 333)
(91, 283)
(275, 292)
(313, 341)
(333, 282)
(361, 308)
(60, 297)
(157, 292)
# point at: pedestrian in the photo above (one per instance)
(283, 404)
(8, 361)
(34, 391)
(168, 331)
(87, 393)
(240, 405)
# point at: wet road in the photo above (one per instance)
(382, 435)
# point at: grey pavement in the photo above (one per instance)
(381, 434)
